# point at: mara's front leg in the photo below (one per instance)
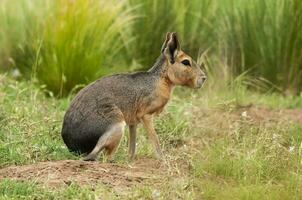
(148, 124)
(132, 141)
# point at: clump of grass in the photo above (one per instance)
(154, 18)
(181, 190)
(253, 192)
(30, 124)
(10, 189)
(82, 41)
(264, 37)
(75, 43)
(248, 157)
(20, 22)
(245, 158)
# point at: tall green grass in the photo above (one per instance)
(82, 41)
(265, 38)
(19, 21)
(67, 43)
(153, 19)
(192, 20)
(77, 42)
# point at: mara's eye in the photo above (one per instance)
(186, 62)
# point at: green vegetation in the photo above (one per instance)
(263, 37)
(30, 124)
(73, 41)
(252, 162)
(69, 43)
(29, 190)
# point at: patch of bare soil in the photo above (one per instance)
(218, 121)
(250, 112)
(258, 113)
(57, 173)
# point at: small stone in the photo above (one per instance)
(155, 194)
(244, 114)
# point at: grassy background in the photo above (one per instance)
(69, 43)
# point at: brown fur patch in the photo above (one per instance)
(163, 92)
(160, 97)
(181, 56)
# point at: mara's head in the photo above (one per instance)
(181, 68)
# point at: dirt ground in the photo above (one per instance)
(57, 173)
(257, 114)
(142, 171)
(147, 171)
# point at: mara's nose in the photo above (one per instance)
(201, 81)
(203, 78)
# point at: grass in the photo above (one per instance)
(81, 42)
(156, 16)
(231, 156)
(71, 40)
(32, 129)
(78, 41)
(240, 158)
(256, 39)
(30, 190)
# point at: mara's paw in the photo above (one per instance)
(89, 158)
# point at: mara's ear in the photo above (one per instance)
(166, 41)
(172, 48)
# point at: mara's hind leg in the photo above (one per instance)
(109, 140)
(112, 146)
